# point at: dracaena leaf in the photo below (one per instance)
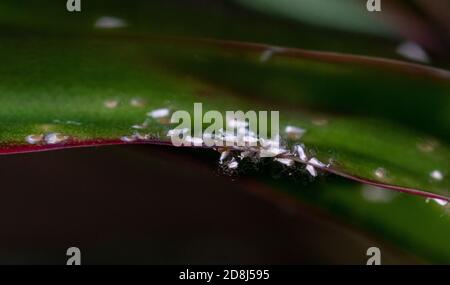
(97, 90)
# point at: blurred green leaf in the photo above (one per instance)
(416, 225)
(61, 74)
(350, 15)
(222, 19)
(48, 84)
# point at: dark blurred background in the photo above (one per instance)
(413, 30)
(159, 205)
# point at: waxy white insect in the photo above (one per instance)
(34, 139)
(55, 138)
(294, 132)
(159, 113)
(437, 175)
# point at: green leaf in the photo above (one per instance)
(350, 15)
(50, 83)
(209, 19)
(376, 121)
(416, 225)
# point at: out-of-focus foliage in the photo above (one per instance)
(65, 73)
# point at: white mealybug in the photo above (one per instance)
(140, 136)
(233, 164)
(380, 172)
(224, 155)
(440, 202)
(314, 162)
(437, 175)
(311, 170)
(413, 51)
(74, 123)
(159, 113)
(128, 138)
(294, 132)
(286, 161)
(111, 103)
(55, 138)
(300, 151)
(34, 139)
(137, 102)
(138, 127)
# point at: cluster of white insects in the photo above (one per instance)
(48, 138)
(245, 144)
(231, 157)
